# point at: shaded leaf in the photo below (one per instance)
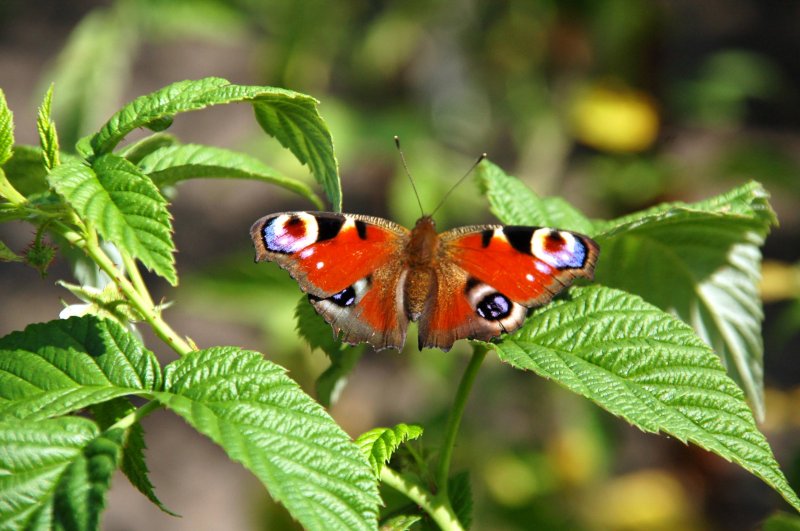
(171, 164)
(125, 207)
(56, 473)
(318, 334)
(25, 170)
(54, 368)
(379, 444)
(138, 150)
(133, 463)
(701, 262)
(644, 365)
(263, 420)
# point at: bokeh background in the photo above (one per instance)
(616, 105)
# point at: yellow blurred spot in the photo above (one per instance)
(779, 281)
(649, 499)
(577, 457)
(615, 119)
(511, 480)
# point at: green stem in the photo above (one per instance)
(136, 277)
(8, 191)
(439, 508)
(454, 420)
(135, 416)
(142, 304)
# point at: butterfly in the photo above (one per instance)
(369, 277)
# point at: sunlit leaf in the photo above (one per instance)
(379, 444)
(646, 366)
(263, 420)
(48, 138)
(55, 368)
(292, 118)
(125, 207)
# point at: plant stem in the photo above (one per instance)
(141, 303)
(136, 277)
(8, 191)
(135, 416)
(454, 420)
(439, 508)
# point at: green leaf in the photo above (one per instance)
(263, 420)
(138, 150)
(25, 170)
(125, 207)
(56, 473)
(460, 494)
(318, 334)
(782, 522)
(297, 125)
(6, 129)
(55, 368)
(168, 165)
(292, 118)
(514, 203)
(133, 463)
(48, 138)
(642, 364)
(379, 444)
(702, 263)
(402, 522)
(7, 255)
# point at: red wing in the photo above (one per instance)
(492, 274)
(327, 252)
(350, 265)
(530, 265)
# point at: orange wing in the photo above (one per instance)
(492, 274)
(350, 265)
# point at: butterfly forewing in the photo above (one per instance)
(350, 265)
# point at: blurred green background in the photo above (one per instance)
(615, 105)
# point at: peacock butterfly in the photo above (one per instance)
(368, 277)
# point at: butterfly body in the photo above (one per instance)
(369, 277)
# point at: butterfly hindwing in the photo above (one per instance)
(492, 274)
(348, 264)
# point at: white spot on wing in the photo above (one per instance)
(320, 265)
(529, 277)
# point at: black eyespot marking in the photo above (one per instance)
(344, 298)
(471, 283)
(328, 227)
(519, 238)
(361, 229)
(556, 238)
(486, 237)
(494, 307)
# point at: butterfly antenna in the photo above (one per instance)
(450, 191)
(408, 173)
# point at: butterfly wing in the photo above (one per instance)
(350, 265)
(490, 275)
